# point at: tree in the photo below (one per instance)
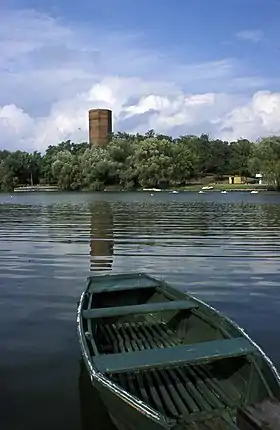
(63, 170)
(240, 154)
(219, 161)
(266, 160)
(140, 160)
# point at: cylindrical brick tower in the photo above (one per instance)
(100, 126)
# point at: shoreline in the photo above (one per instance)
(175, 190)
(195, 187)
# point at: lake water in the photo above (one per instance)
(224, 248)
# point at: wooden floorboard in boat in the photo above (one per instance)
(174, 392)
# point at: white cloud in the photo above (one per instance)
(52, 73)
(258, 117)
(253, 36)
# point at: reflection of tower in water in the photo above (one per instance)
(94, 414)
(101, 237)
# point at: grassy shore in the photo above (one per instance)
(198, 187)
(225, 187)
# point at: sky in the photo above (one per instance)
(181, 67)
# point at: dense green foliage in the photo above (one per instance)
(148, 160)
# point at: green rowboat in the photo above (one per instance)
(162, 359)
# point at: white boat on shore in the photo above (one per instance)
(207, 187)
(35, 188)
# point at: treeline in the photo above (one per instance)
(149, 160)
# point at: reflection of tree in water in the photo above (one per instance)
(93, 412)
(101, 237)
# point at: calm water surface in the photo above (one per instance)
(225, 248)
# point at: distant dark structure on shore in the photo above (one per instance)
(100, 126)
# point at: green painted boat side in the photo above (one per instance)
(162, 359)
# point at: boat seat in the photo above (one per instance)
(175, 356)
(112, 283)
(171, 305)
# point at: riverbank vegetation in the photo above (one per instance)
(138, 161)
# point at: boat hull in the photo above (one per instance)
(124, 414)
(126, 417)
(129, 412)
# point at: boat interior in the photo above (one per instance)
(171, 352)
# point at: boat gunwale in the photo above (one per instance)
(123, 394)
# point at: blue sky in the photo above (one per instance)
(190, 66)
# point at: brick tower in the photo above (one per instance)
(100, 126)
